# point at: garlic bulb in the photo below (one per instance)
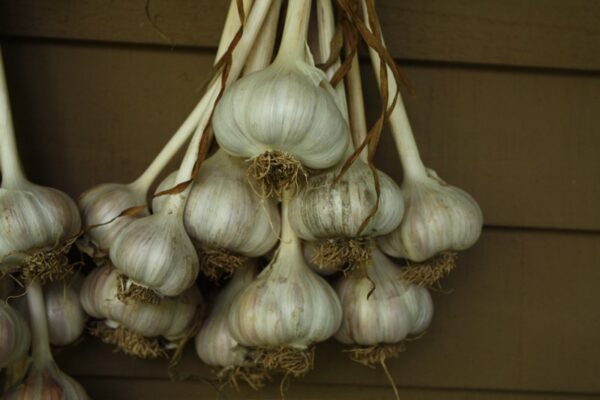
(379, 307)
(284, 115)
(44, 379)
(155, 252)
(214, 344)
(66, 318)
(172, 318)
(309, 250)
(45, 384)
(438, 218)
(103, 204)
(223, 210)
(14, 335)
(34, 218)
(325, 209)
(288, 306)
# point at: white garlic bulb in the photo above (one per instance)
(324, 209)
(14, 335)
(172, 318)
(287, 304)
(103, 204)
(155, 252)
(214, 344)
(66, 318)
(47, 383)
(288, 108)
(34, 218)
(438, 218)
(381, 308)
(223, 210)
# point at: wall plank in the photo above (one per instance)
(117, 389)
(555, 33)
(523, 144)
(518, 317)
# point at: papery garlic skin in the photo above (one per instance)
(288, 107)
(34, 217)
(223, 210)
(66, 318)
(47, 383)
(214, 344)
(172, 318)
(325, 210)
(288, 304)
(104, 203)
(438, 218)
(15, 337)
(156, 252)
(393, 310)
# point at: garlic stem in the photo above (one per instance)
(262, 51)
(293, 40)
(414, 169)
(37, 311)
(289, 239)
(10, 165)
(326, 27)
(232, 24)
(253, 25)
(356, 106)
(143, 183)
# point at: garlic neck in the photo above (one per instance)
(401, 129)
(10, 165)
(293, 40)
(40, 339)
(290, 242)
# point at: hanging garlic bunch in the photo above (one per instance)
(284, 118)
(134, 327)
(224, 217)
(154, 253)
(381, 311)
(102, 206)
(286, 309)
(439, 218)
(44, 379)
(38, 223)
(214, 344)
(14, 335)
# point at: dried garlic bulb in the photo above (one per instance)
(286, 309)
(284, 118)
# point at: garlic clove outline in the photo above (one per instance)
(100, 206)
(324, 209)
(156, 252)
(381, 308)
(214, 344)
(224, 212)
(438, 218)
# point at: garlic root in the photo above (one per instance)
(344, 253)
(129, 290)
(289, 360)
(276, 171)
(429, 272)
(129, 342)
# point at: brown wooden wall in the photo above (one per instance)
(507, 107)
